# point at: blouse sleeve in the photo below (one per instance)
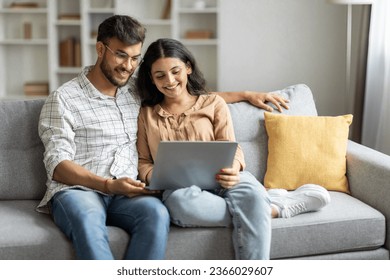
(145, 160)
(223, 128)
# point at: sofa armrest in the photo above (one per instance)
(368, 174)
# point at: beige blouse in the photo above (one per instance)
(208, 120)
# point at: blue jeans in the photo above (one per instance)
(246, 206)
(83, 216)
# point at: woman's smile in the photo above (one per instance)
(170, 76)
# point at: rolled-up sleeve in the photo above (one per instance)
(223, 128)
(145, 159)
(56, 132)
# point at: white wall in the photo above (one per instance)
(270, 44)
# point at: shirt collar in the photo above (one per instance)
(198, 104)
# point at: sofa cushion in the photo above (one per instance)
(307, 150)
(324, 232)
(23, 174)
(345, 225)
(249, 127)
(26, 234)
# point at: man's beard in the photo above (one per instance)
(109, 74)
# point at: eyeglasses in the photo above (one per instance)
(121, 57)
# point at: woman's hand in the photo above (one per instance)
(259, 99)
(229, 177)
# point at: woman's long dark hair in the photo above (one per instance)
(167, 48)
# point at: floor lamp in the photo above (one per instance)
(349, 3)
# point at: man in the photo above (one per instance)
(88, 127)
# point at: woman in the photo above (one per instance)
(176, 106)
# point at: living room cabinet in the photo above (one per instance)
(46, 42)
(195, 23)
(24, 45)
(73, 27)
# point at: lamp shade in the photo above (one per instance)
(351, 2)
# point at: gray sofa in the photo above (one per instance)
(352, 226)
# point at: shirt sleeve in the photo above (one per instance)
(145, 160)
(223, 128)
(55, 129)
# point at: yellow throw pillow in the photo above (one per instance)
(307, 150)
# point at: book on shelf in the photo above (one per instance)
(27, 30)
(199, 34)
(94, 34)
(70, 52)
(36, 88)
(23, 5)
(69, 17)
(77, 54)
(66, 52)
(166, 13)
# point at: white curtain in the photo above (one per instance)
(376, 116)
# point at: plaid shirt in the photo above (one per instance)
(98, 132)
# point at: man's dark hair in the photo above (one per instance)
(127, 29)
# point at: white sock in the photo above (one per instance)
(277, 208)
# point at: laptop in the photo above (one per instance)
(181, 164)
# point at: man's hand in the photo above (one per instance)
(255, 98)
(70, 173)
(128, 187)
(259, 99)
